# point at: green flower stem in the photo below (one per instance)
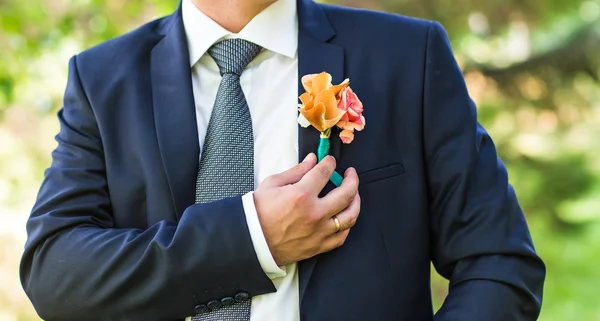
(323, 151)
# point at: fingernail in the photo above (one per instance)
(306, 158)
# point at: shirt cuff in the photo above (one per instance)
(258, 240)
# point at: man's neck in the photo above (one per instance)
(233, 15)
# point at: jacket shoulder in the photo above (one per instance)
(376, 24)
(130, 47)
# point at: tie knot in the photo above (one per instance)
(233, 55)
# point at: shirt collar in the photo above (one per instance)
(275, 29)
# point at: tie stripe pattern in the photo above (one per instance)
(227, 161)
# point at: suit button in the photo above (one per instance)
(227, 301)
(214, 304)
(201, 308)
(242, 296)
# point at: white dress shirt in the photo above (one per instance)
(270, 85)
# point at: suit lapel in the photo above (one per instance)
(315, 55)
(174, 112)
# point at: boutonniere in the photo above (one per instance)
(324, 106)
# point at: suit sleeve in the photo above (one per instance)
(480, 239)
(78, 266)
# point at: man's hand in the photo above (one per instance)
(296, 223)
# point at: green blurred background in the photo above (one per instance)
(532, 66)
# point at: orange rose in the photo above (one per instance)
(319, 103)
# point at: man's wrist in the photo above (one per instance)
(263, 253)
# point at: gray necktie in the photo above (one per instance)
(227, 162)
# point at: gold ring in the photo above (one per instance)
(338, 227)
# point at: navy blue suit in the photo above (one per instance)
(115, 233)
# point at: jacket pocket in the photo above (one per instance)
(381, 173)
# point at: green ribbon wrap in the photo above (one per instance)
(323, 151)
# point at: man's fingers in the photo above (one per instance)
(334, 241)
(315, 180)
(294, 174)
(340, 198)
(347, 217)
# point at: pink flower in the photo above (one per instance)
(353, 118)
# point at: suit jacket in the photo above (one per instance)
(115, 234)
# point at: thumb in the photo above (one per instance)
(294, 174)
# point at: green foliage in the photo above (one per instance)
(532, 67)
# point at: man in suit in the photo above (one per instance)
(176, 189)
